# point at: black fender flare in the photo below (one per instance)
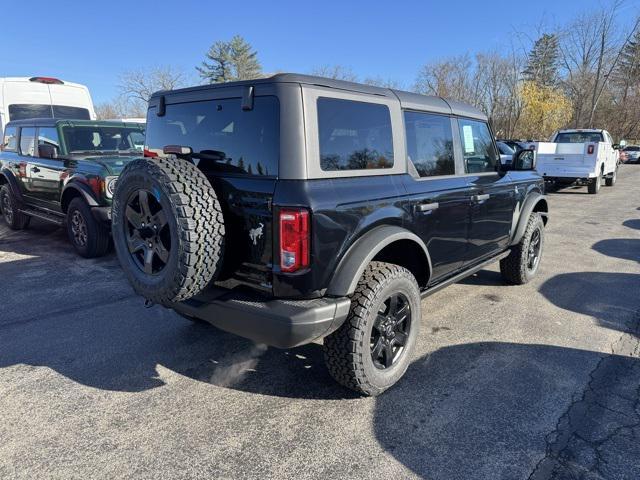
(364, 249)
(13, 183)
(533, 199)
(84, 190)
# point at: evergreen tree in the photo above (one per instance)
(542, 65)
(229, 61)
(629, 64)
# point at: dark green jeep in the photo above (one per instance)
(64, 171)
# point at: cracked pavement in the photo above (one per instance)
(540, 381)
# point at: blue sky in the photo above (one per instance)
(94, 42)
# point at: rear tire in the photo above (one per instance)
(524, 260)
(611, 181)
(167, 229)
(594, 186)
(372, 348)
(88, 236)
(9, 206)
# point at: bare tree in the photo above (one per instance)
(450, 78)
(139, 85)
(336, 72)
(588, 49)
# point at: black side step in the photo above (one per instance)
(463, 275)
(47, 217)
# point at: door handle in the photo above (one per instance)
(480, 198)
(427, 207)
(35, 169)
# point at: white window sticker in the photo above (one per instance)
(468, 139)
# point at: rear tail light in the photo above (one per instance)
(149, 154)
(590, 150)
(294, 239)
(47, 80)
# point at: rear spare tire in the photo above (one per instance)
(168, 229)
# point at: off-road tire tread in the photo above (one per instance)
(344, 348)
(20, 220)
(98, 241)
(514, 267)
(200, 226)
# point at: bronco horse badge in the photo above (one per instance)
(256, 233)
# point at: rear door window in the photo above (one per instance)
(354, 135)
(478, 149)
(10, 139)
(49, 136)
(27, 141)
(232, 140)
(70, 113)
(430, 143)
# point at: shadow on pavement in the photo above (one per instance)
(483, 410)
(632, 223)
(624, 248)
(611, 298)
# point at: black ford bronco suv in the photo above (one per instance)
(64, 171)
(295, 208)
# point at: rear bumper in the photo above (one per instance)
(549, 171)
(278, 323)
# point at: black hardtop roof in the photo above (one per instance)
(409, 100)
(52, 122)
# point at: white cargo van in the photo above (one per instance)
(43, 97)
(586, 156)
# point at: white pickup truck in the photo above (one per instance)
(578, 155)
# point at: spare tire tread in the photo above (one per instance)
(199, 221)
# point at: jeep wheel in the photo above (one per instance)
(595, 184)
(372, 349)
(88, 236)
(522, 263)
(611, 181)
(167, 228)
(9, 206)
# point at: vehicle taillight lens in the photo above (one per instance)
(590, 149)
(294, 239)
(149, 154)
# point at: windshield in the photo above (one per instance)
(96, 140)
(632, 149)
(25, 111)
(579, 137)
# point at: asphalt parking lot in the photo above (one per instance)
(539, 381)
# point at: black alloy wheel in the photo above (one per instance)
(147, 232)
(390, 331)
(533, 254)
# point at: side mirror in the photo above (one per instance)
(524, 160)
(47, 150)
(616, 146)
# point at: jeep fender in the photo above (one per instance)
(75, 188)
(533, 200)
(12, 181)
(362, 252)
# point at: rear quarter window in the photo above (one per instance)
(10, 139)
(240, 141)
(354, 135)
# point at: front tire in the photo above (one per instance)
(88, 236)
(524, 260)
(372, 349)
(9, 206)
